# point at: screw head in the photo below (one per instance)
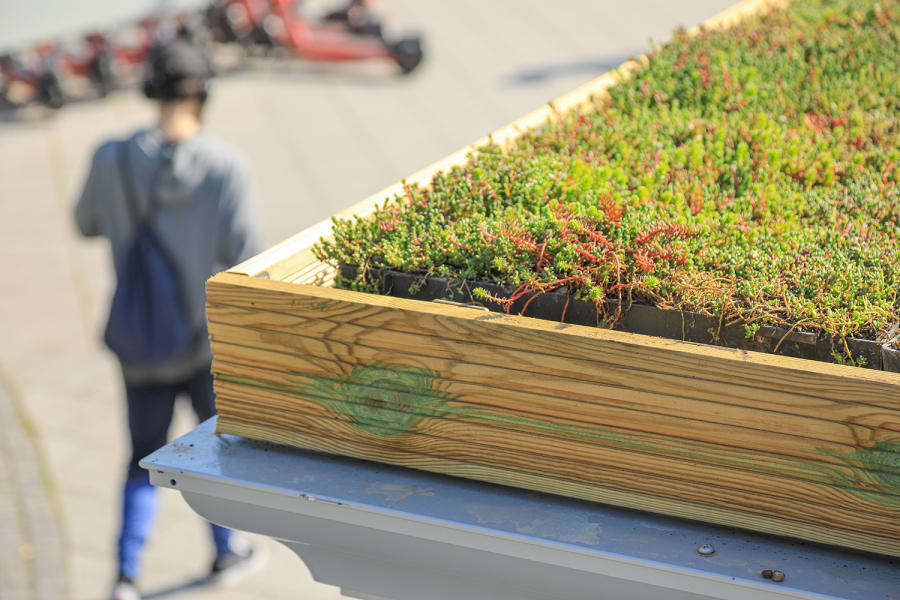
(777, 576)
(767, 574)
(706, 550)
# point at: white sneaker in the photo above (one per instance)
(125, 590)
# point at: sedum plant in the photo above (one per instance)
(749, 173)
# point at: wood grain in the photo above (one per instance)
(554, 406)
(492, 365)
(811, 445)
(725, 372)
(787, 455)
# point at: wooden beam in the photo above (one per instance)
(701, 362)
(739, 446)
(357, 335)
(813, 445)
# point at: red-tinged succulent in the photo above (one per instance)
(750, 173)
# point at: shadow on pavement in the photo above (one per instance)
(542, 73)
(27, 111)
(368, 73)
(31, 113)
(173, 590)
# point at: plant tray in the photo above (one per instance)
(771, 443)
(635, 318)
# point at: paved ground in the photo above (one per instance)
(318, 139)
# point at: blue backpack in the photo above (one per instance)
(148, 324)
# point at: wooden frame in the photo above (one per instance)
(774, 444)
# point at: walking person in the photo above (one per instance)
(175, 205)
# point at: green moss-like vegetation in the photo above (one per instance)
(749, 173)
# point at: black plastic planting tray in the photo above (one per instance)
(637, 318)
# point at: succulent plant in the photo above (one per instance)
(750, 173)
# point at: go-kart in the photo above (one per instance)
(349, 34)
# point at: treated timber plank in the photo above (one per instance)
(725, 372)
(553, 408)
(723, 446)
(318, 353)
(694, 405)
(337, 357)
(846, 507)
(347, 446)
(307, 272)
(294, 253)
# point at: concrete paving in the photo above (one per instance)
(318, 138)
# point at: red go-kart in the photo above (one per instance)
(349, 34)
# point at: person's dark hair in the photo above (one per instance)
(177, 70)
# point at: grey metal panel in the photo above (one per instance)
(371, 562)
(402, 528)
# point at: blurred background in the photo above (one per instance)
(318, 135)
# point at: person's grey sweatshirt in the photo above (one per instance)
(205, 220)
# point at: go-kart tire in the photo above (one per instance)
(5, 103)
(407, 53)
(260, 36)
(104, 79)
(51, 93)
(219, 25)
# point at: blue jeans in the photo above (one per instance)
(150, 409)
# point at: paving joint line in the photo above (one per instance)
(42, 549)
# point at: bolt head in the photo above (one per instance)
(706, 550)
(767, 574)
(777, 576)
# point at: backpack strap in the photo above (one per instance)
(127, 178)
(128, 186)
